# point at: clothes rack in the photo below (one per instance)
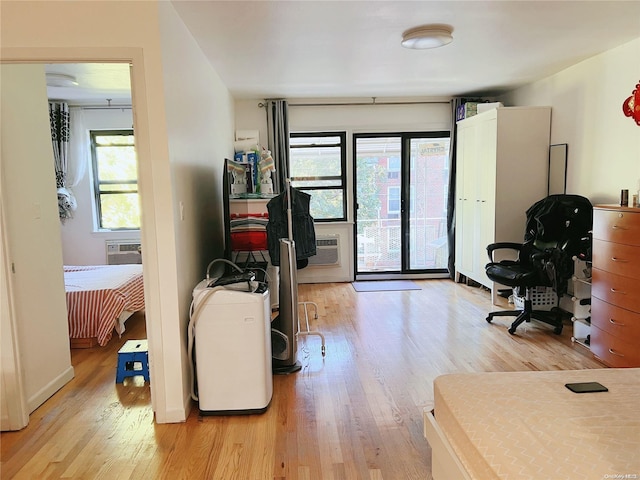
(288, 321)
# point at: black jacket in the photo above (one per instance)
(304, 234)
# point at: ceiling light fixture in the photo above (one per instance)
(61, 80)
(427, 36)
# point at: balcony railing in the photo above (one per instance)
(379, 244)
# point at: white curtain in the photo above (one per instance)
(78, 151)
(278, 140)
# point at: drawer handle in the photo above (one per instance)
(621, 260)
(618, 227)
(613, 352)
(614, 290)
(613, 322)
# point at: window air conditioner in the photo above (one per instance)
(327, 251)
(120, 252)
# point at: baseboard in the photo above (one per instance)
(48, 390)
(175, 415)
(172, 416)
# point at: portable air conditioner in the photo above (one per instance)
(232, 348)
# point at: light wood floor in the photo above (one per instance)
(356, 414)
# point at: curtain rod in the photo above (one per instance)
(363, 104)
(102, 107)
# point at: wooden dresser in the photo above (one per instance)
(615, 288)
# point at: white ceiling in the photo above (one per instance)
(98, 83)
(314, 49)
(352, 48)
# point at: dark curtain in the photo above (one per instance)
(278, 140)
(451, 201)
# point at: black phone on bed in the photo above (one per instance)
(586, 387)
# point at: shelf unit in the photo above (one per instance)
(578, 302)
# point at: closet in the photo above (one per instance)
(502, 169)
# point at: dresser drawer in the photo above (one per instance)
(616, 226)
(617, 258)
(616, 289)
(616, 321)
(613, 351)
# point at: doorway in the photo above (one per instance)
(401, 189)
(48, 224)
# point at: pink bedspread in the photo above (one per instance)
(98, 294)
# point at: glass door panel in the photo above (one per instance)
(378, 204)
(427, 213)
(401, 203)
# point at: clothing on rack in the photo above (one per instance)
(248, 231)
(304, 234)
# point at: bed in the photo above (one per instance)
(99, 300)
(528, 425)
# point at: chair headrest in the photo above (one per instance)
(558, 218)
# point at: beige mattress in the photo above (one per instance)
(528, 425)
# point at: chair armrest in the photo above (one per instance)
(541, 255)
(502, 245)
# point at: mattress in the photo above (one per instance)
(528, 425)
(98, 296)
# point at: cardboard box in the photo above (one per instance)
(467, 110)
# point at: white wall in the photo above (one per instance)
(29, 199)
(81, 243)
(200, 124)
(176, 155)
(586, 100)
(123, 32)
(351, 119)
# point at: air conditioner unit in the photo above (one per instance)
(121, 252)
(327, 251)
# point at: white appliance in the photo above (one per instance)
(230, 328)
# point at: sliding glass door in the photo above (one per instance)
(401, 199)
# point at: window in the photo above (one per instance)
(115, 180)
(393, 201)
(317, 163)
(393, 168)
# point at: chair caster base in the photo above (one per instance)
(512, 331)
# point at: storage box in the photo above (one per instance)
(542, 298)
(467, 110)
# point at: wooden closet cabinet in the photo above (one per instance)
(501, 170)
(615, 287)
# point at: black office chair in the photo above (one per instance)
(558, 228)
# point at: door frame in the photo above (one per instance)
(405, 199)
(135, 58)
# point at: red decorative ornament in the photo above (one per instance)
(631, 106)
